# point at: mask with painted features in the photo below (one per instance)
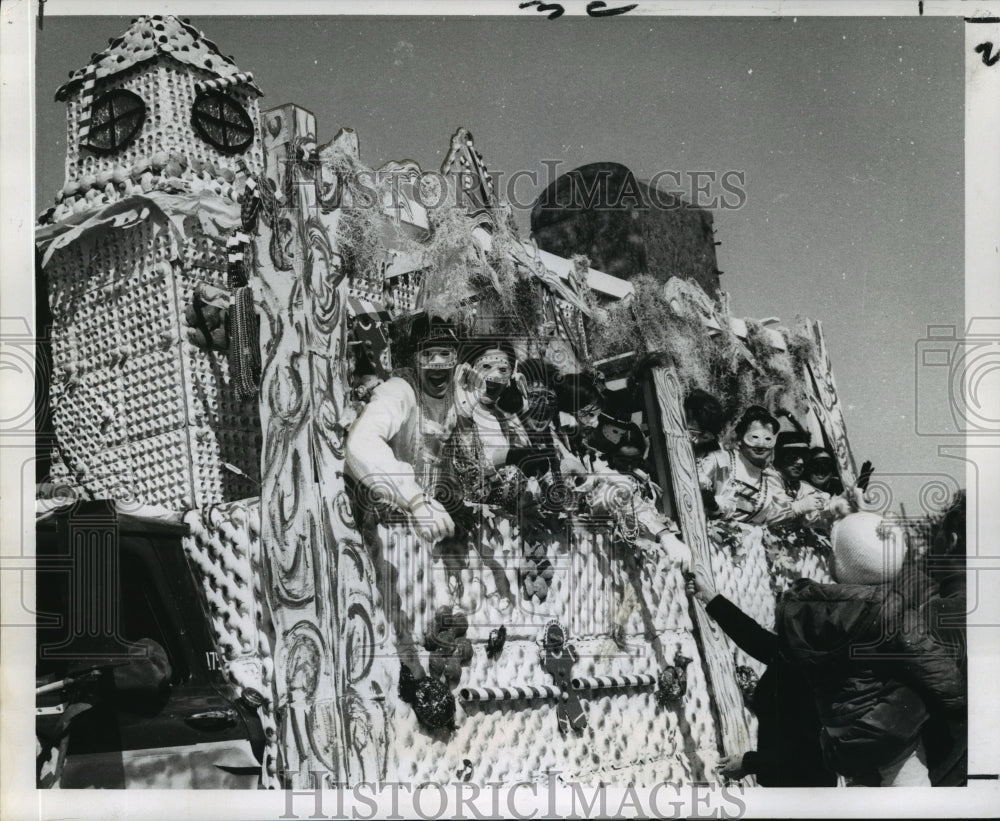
(588, 415)
(758, 444)
(435, 369)
(541, 407)
(495, 369)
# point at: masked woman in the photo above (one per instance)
(739, 483)
(486, 431)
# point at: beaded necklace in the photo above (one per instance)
(760, 491)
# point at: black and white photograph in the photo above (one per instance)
(515, 409)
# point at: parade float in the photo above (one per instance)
(226, 290)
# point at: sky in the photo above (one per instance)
(849, 133)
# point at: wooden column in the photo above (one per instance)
(318, 581)
(727, 700)
(826, 403)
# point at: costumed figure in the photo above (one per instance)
(622, 491)
(535, 401)
(738, 484)
(790, 456)
(580, 404)
(394, 447)
(821, 471)
(486, 430)
(544, 460)
(705, 421)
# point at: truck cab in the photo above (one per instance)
(130, 691)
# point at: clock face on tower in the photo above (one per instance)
(222, 121)
(115, 119)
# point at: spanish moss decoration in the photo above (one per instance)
(777, 383)
(363, 229)
(801, 351)
(648, 323)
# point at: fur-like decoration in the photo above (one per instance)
(671, 683)
(432, 702)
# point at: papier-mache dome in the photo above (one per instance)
(153, 36)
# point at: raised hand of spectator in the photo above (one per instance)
(731, 766)
(700, 584)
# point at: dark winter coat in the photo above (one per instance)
(872, 674)
(788, 751)
(946, 734)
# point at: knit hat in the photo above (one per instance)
(866, 549)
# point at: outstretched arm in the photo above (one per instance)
(369, 456)
(749, 636)
(371, 460)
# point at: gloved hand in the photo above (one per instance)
(850, 501)
(813, 503)
(470, 388)
(430, 520)
(726, 508)
(864, 477)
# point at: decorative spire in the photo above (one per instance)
(153, 36)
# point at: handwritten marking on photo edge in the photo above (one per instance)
(986, 49)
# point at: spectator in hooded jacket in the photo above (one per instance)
(946, 734)
(788, 750)
(875, 681)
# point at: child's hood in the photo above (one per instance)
(819, 621)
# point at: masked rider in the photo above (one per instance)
(741, 482)
(394, 446)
